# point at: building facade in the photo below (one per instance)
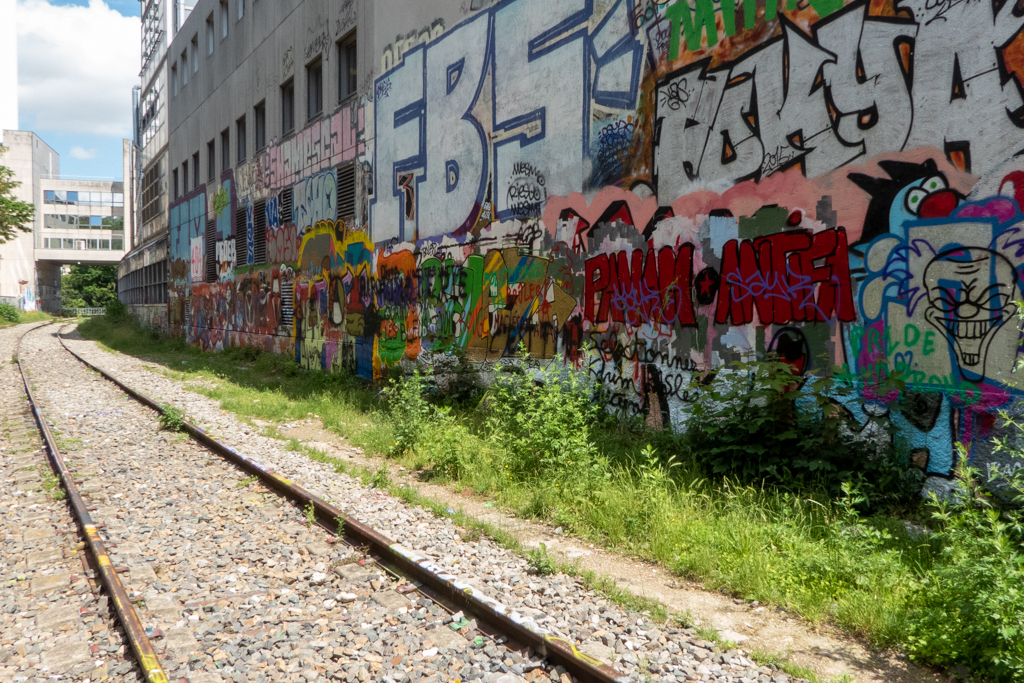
(676, 186)
(76, 221)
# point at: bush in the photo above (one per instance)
(542, 422)
(9, 313)
(116, 312)
(409, 411)
(761, 422)
(970, 607)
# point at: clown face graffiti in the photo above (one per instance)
(970, 296)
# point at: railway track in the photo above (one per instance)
(230, 571)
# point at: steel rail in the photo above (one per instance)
(412, 564)
(133, 628)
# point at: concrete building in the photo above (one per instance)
(76, 221)
(370, 185)
(8, 66)
(142, 275)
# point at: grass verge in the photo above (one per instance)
(641, 493)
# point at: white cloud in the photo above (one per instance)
(77, 152)
(76, 68)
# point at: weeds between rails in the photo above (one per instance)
(825, 550)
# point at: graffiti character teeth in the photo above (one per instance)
(970, 296)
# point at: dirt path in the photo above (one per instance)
(829, 653)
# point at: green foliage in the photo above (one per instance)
(245, 482)
(51, 484)
(15, 215)
(117, 312)
(89, 286)
(540, 562)
(970, 607)
(541, 424)
(760, 421)
(171, 418)
(310, 513)
(408, 410)
(9, 313)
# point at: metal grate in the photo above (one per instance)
(188, 311)
(259, 232)
(240, 233)
(287, 304)
(284, 207)
(347, 192)
(211, 251)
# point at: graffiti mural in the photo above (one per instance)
(672, 185)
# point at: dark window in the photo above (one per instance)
(174, 80)
(211, 159)
(347, 192)
(240, 138)
(225, 150)
(260, 115)
(347, 67)
(284, 207)
(259, 232)
(288, 107)
(209, 34)
(184, 177)
(241, 232)
(195, 170)
(223, 18)
(174, 178)
(314, 88)
(211, 250)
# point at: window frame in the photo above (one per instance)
(211, 159)
(184, 177)
(287, 92)
(174, 80)
(259, 115)
(195, 170)
(241, 9)
(225, 149)
(240, 142)
(210, 33)
(195, 53)
(174, 177)
(314, 95)
(184, 67)
(225, 12)
(347, 87)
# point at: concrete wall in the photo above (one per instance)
(679, 187)
(30, 158)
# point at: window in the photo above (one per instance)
(195, 53)
(241, 8)
(211, 160)
(240, 138)
(314, 88)
(346, 192)
(288, 107)
(259, 232)
(174, 181)
(223, 18)
(347, 67)
(117, 244)
(260, 116)
(184, 67)
(225, 150)
(195, 170)
(210, 239)
(209, 34)
(174, 80)
(184, 177)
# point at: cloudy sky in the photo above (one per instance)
(77, 63)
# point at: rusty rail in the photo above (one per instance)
(413, 565)
(133, 628)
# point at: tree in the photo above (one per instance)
(14, 214)
(88, 286)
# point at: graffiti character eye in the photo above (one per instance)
(934, 183)
(914, 199)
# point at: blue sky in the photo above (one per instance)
(77, 94)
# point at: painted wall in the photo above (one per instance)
(678, 186)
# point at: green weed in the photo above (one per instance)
(310, 512)
(51, 484)
(247, 481)
(171, 418)
(540, 562)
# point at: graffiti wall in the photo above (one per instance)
(675, 186)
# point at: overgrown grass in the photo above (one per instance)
(539, 450)
(14, 316)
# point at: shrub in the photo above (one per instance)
(116, 312)
(761, 422)
(408, 409)
(542, 422)
(9, 313)
(970, 607)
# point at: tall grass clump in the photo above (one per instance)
(969, 609)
